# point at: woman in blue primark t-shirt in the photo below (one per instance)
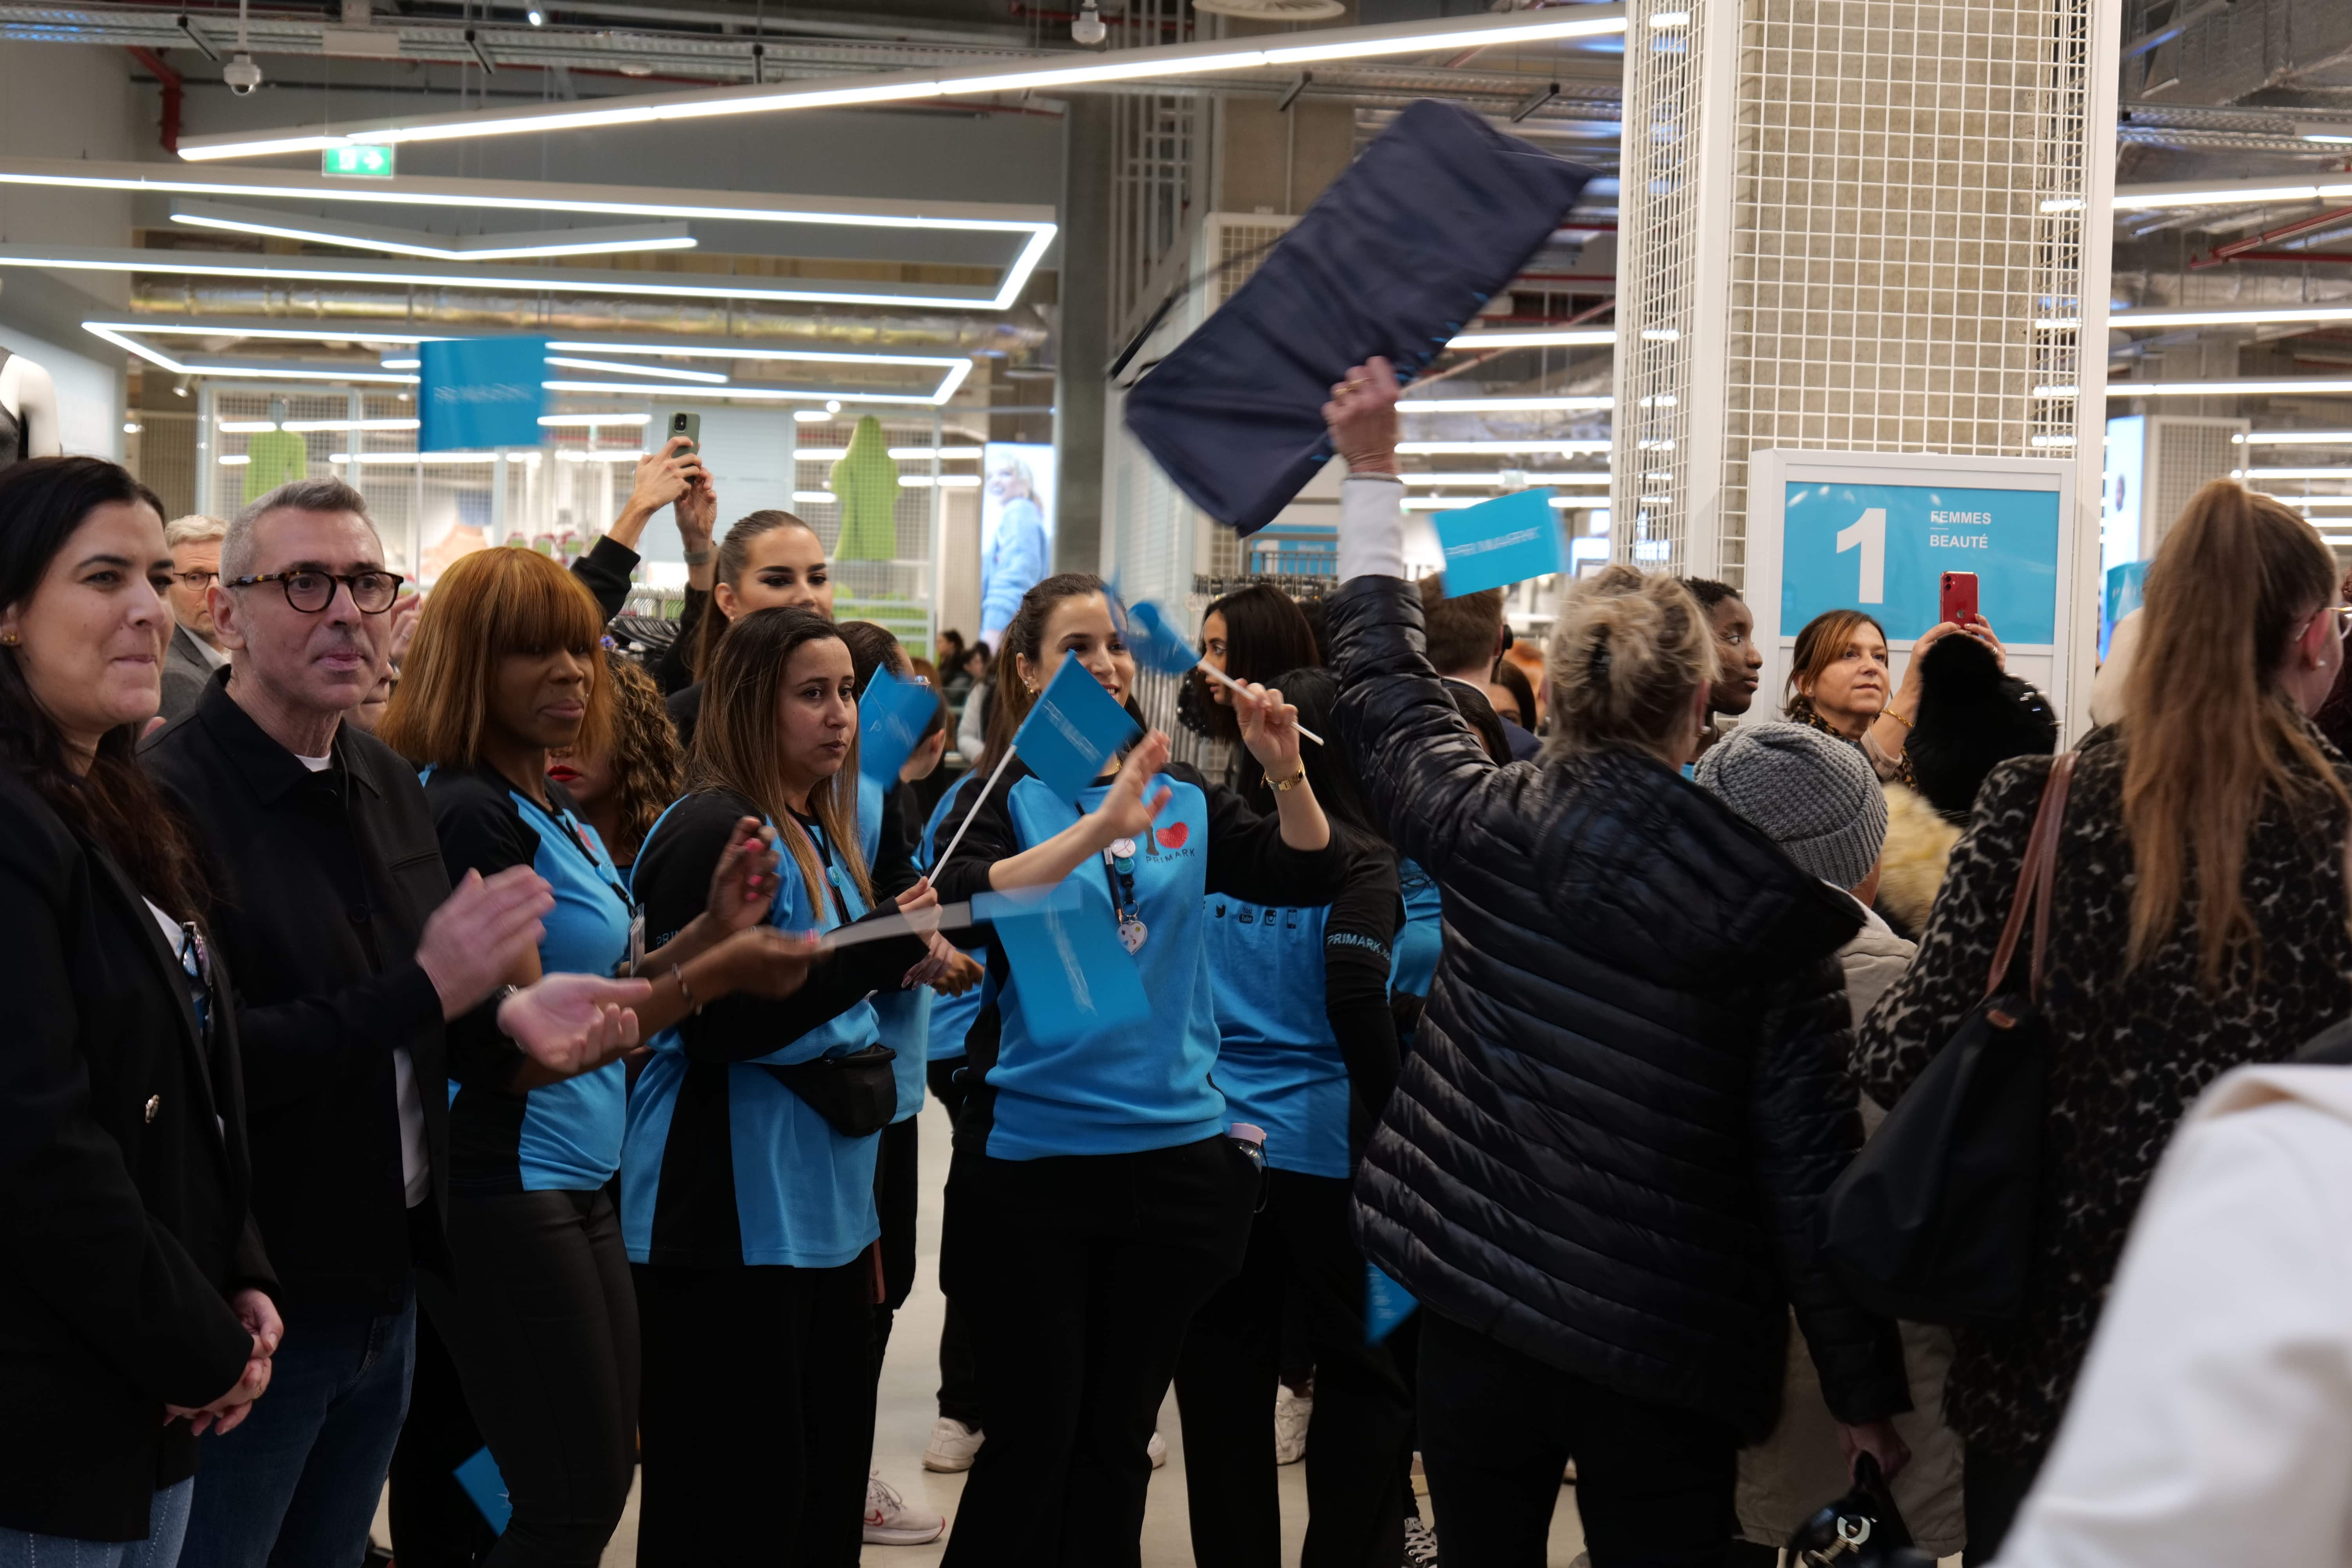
(1308, 1051)
(505, 667)
(746, 1201)
(1095, 1201)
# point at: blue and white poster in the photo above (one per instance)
(1016, 529)
(479, 392)
(1885, 548)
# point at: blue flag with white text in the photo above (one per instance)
(891, 714)
(1499, 543)
(1073, 729)
(1076, 982)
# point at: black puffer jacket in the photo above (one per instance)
(1629, 1092)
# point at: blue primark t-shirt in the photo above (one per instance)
(563, 1137)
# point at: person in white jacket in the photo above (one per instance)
(2213, 1423)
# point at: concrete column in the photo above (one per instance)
(1083, 348)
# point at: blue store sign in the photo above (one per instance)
(1885, 549)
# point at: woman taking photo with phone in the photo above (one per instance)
(770, 560)
(505, 668)
(135, 1310)
(748, 1172)
(1096, 1201)
(1840, 683)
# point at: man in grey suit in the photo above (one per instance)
(193, 653)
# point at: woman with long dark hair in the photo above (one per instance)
(135, 1311)
(1841, 683)
(2199, 924)
(767, 561)
(1095, 1200)
(1251, 634)
(1308, 1051)
(747, 1171)
(623, 786)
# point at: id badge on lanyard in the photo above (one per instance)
(636, 938)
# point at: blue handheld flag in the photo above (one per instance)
(481, 1478)
(1386, 1304)
(1499, 543)
(1073, 729)
(1156, 643)
(890, 719)
(1076, 982)
(477, 393)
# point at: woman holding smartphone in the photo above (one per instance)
(769, 561)
(748, 1170)
(1095, 1200)
(505, 668)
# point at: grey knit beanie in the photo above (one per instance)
(1814, 795)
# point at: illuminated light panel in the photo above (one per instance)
(903, 454)
(1465, 449)
(813, 497)
(665, 373)
(2284, 386)
(1041, 73)
(393, 242)
(593, 420)
(1562, 338)
(2335, 473)
(1505, 405)
(753, 394)
(2315, 500)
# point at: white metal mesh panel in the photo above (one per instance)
(2184, 455)
(1900, 235)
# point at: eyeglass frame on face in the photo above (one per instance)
(346, 581)
(196, 579)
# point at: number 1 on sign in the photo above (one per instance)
(1868, 533)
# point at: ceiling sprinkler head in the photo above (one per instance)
(1087, 27)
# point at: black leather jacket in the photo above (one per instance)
(1629, 1092)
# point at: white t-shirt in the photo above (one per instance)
(416, 1164)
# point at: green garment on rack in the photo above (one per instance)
(866, 482)
(275, 458)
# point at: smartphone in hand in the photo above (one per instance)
(1958, 600)
(687, 423)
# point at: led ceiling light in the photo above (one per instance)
(1559, 338)
(1034, 74)
(406, 242)
(2335, 473)
(769, 394)
(1503, 404)
(2266, 316)
(2284, 386)
(2295, 438)
(1465, 449)
(1032, 226)
(2213, 193)
(663, 371)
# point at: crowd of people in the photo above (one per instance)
(437, 1050)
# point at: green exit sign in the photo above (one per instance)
(365, 162)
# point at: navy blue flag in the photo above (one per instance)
(891, 714)
(1440, 212)
(479, 393)
(1073, 729)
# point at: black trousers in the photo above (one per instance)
(897, 1185)
(1993, 1487)
(759, 1416)
(1654, 1483)
(958, 1374)
(1226, 1379)
(1078, 1276)
(548, 1353)
(434, 1524)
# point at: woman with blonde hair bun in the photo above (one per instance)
(2199, 924)
(1599, 1168)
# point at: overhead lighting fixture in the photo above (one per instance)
(2054, 440)
(754, 393)
(1032, 226)
(303, 427)
(2315, 500)
(613, 241)
(1559, 338)
(2295, 438)
(535, 16)
(2333, 135)
(902, 454)
(366, 459)
(2284, 386)
(813, 497)
(1668, 21)
(2212, 194)
(2335, 473)
(1465, 449)
(1503, 404)
(944, 482)
(811, 415)
(1040, 73)
(404, 365)
(2270, 316)
(621, 367)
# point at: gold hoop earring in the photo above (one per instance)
(7, 639)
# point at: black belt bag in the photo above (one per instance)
(857, 1094)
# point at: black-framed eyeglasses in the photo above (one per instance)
(196, 579)
(311, 591)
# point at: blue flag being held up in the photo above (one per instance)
(480, 1477)
(1386, 1304)
(890, 719)
(1076, 982)
(1499, 543)
(1156, 643)
(479, 392)
(1073, 729)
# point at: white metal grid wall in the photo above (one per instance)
(1881, 245)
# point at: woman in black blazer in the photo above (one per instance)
(134, 1303)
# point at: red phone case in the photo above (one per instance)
(1958, 599)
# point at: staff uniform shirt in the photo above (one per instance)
(1419, 939)
(1151, 1090)
(561, 1137)
(902, 1014)
(721, 1164)
(950, 1017)
(1279, 1061)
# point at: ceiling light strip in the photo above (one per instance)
(1041, 73)
(2287, 386)
(619, 367)
(397, 242)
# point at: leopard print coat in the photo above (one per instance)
(2129, 1052)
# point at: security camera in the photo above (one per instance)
(1087, 27)
(242, 75)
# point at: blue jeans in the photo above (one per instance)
(167, 1520)
(297, 1485)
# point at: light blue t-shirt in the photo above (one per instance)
(1278, 1061)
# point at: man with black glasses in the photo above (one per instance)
(351, 952)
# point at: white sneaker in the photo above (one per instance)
(891, 1520)
(1568, 1477)
(1291, 1414)
(1420, 1544)
(1158, 1449)
(954, 1446)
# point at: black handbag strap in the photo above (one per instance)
(2034, 879)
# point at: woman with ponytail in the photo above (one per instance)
(770, 560)
(1599, 1167)
(747, 1169)
(2199, 924)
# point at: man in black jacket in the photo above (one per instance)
(351, 952)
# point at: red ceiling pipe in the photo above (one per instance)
(174, 88)
(2249, 248)
(2338, 256)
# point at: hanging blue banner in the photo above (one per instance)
(890, 718)
(1386, 1304)
(479, 392)
(1073, 729)
(1499, 543)
(1077, 983)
